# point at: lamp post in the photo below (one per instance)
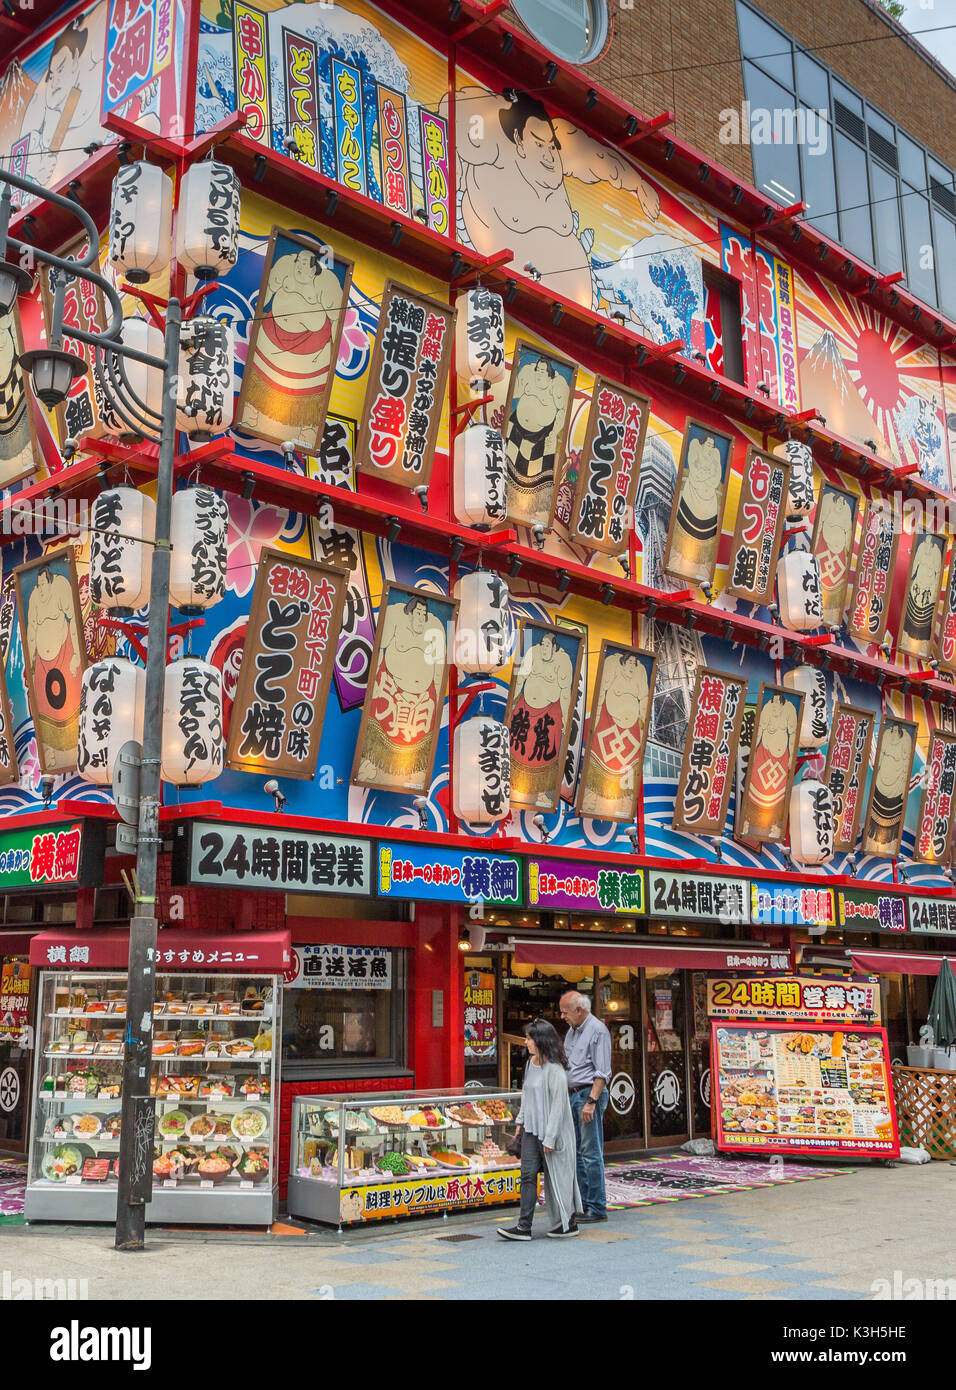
(53, 370)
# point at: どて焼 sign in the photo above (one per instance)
(237, 856)
(341, 967)
(64, 855)
(406, 387)
(287, 664)
(602, 513)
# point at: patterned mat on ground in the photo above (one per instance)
(675, 1176)
(13, 1183)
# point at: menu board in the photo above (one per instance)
(793, 1090)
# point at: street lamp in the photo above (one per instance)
(51, 368)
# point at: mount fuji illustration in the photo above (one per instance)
(826, 384)
(16, 89)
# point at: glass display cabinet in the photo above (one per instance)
(375, 1157)
(214, 1145)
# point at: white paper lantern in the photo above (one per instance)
(815, 725)
(192, 723)
(141, 209)
(484, 630)
(207, 219)
(811, 822)
(145, 383)
(482, 783)
(112, 704)
(799, 596)
(480, 477)
(480, 337)
(800, 489)
(204, 393)
(198, 531)
(123, 527)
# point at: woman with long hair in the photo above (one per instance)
(547, 1137)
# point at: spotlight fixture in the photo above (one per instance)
(624, 560)
(564, 579)
(91, 148)
(507, 44)
(703, 172)
(397, 232)
(69, 448)
(601, 335)
(454, 11)
(511, 291)
(539, 821)
(259, 170)
(533, 271)
(871, 445)
(514, 569)
(457, 546)
(550, 73)
(394, 530)
(763, 388)
(331, 202)
(607, 594)
(631, 125)
(537, 531)
(509, 94)
(736, 193)
(248, 486)
(421, 492)
(707, 589)
(717, 845)
(273, 789)
(668, 149)
(46, 790)
(291, 147)
(591, 99)
(421, 806)
(633, 834)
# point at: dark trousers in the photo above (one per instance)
(532, 1163)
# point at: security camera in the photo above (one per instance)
(421, 806)
(421, 493)
(537, 531)
(273, 789)
(633, 834)
(539, 821)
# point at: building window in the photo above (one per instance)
(722, 308)
(866, 183)
(574, 30)
(344, 1031)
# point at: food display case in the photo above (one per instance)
(375, 1157)
(213, 1077)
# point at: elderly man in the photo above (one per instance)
(588, 1048)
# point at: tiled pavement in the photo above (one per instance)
(823, 1240)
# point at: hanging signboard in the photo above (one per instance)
(64, 855)
(537, 412)
(935, 825)
(448, 876)
(435, 167)
(848, 758)
(301, 60)
(14, 1000)
(883, 826)
(614, 757)
(560, 885)
(794, 999)
(703, 789)
(54, 654)
(704, 898)
(875, 567)
(481, 1031)
(934, 915)
(544, 679)
(864, 909)
(84, 412)
(401, 715)
(294, 341)
(698, 506)
(923, 581)
(19, 449)
(758, 527)
(817, 1090)
(832, 548)
(406, 387)
(946, 637)
(289, 861)
(253, 76)
(781, 904)
(348, 107)
(772, 763)
(287, 666)
(9, 765)
(340, 968)
(393, 152)
(602, 513)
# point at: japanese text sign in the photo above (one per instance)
(602, 513)
(233, 856)
(848, 757)
(864, 909)
(706, 898)
(568, 885)
(758, 527)
(703, 789)
(794, 998)
(449, 876)
(340, 967)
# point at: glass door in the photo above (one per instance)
(619, 999)
(666, 1061)
(700, 1078)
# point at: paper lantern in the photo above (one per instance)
(800, 489)
(204, 392)
(799, 597)
(811, 822)
(815, 725)
(480, 338)
(112, 703)
(146, 383)
(192, 723)
(482, 786)
(123, 527)
(484, 630)
(207, 219)
(197, 565)
(480, 477)
(141, 210)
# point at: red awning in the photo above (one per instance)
(898, 962)
(697, 957)
(16, 943)
(243, 953)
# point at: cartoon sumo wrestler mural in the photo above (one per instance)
(883, 829)
(773, 753)
(54, 654)
(922, 593)
(543, 681)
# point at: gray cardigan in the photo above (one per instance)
(560, 1177)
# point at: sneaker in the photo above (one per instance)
(592, 1216)
(560, 1232)
(513, 1233)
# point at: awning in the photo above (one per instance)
(727, 956)
(16, 943)
(898, 962)
(244, 953)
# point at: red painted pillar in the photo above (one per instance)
(436, 1050)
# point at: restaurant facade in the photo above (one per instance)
(604, 496)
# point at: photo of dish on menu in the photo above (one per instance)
(804, 1090)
